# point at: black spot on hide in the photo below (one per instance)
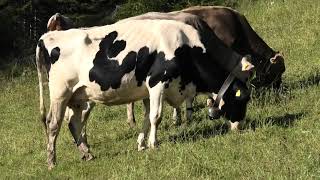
(49, 59)
(163, 70)
(108, 48)
(117, 47)
(189, 64)
(106, 72)
(54, 55)
(87, 40)
(145, 60)
(194, 66)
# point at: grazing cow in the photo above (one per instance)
(129, 61)
(56, 25)
(59, 22)
(234, 30)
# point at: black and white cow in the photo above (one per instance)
(60, 22)
(129, 61)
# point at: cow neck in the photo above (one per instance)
(223, 55)
(255, 42)
(223, 89)
(226, 84)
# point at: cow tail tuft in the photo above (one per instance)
(41, 76)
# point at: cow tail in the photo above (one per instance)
(41, 76)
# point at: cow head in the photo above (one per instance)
(234, 104)
(59, 22)
(270, 72)
(234, 101)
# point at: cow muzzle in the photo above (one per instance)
(214, 113)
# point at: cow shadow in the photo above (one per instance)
(285, 121)
(199, 132)
(198, 105)
(191, 135)
(278, 94)
(286, 88)
(311, 80)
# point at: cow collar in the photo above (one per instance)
(226, 84)
(223, 89)
(214, 111)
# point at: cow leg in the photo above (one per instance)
(189, 109)
(53, 123)
(130, 114)
(78, 118)
(176, 116)
(156, 100)
(146, 125)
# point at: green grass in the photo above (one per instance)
(280, 141)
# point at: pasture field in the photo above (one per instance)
(281, 139)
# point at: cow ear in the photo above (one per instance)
(246, 63)
(276, 58)
(248, 67)
(209, 102)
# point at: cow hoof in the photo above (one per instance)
(153, 145)
(131, 124)
(177, 123)
(141, 142)
(87, 157)
(141, 148)
(51, 166)
(234, 126)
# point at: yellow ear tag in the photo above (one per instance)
(246, 67)
(238, 93)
